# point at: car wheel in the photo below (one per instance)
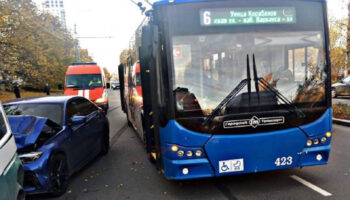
(334, 93)
(21, 196)
(59, 175)
(105, 142)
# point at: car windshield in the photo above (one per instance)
(50, 111)
(84, 81)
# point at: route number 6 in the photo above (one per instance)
(283, 161)
(207, 18)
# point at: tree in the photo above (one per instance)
(107, 74)
(348, 39)
(84, 56)
(338, 43)
(127, 54)
(33, 45)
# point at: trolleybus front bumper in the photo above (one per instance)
(237, 154)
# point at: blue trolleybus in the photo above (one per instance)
(231, 86)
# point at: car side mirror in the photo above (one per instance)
(77, 120)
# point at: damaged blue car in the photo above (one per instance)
(55, 137)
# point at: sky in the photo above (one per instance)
(119, 19)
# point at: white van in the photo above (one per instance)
(11, 170)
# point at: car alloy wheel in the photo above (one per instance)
(58, 175)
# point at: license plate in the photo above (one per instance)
(236, 165)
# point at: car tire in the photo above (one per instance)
(105, 142)
(59, 175)
(21, 196)
(334, 93)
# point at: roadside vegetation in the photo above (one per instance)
(341, 111)
(34, 47)
(5, 96)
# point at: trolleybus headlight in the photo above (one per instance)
(316, 141)
(185, 171)
(174, 148)
(189, 153)
(199, 153)
(309, 143)
(328, 134)
(319, 157)
(180, 153)
(324, 140)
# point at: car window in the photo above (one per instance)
(52, 111)
(80, 107)
(3, 127)
(347, 79)
(87, 107)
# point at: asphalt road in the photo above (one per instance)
(126, 173)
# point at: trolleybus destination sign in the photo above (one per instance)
(249, 16)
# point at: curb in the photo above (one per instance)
(341, 122)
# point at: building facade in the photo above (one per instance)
(55, 7)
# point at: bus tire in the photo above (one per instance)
(127, 118)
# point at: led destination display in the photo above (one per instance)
(249, 16)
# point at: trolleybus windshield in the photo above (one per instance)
(209, 58)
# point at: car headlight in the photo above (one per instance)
(100, 100)
(30, 157)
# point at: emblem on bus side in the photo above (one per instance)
(253, 122)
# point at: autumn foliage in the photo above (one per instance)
(34, 46)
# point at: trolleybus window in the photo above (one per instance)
(209, 66)
(210, 45)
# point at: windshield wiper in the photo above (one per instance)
(229, 97)
(273, 90)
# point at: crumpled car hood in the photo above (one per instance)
(26, 129)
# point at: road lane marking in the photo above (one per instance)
(311, 186)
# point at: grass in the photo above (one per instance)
(5, 96)
(341, 111)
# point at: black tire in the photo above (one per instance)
(105, 142)
(105, 108)
(127, 118)
(59, 175)
(21, 196)
(334, 93)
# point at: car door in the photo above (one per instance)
(79, 144)
(346, 87)
(94, 120)
(8, 182)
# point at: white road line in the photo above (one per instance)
(311, 186)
